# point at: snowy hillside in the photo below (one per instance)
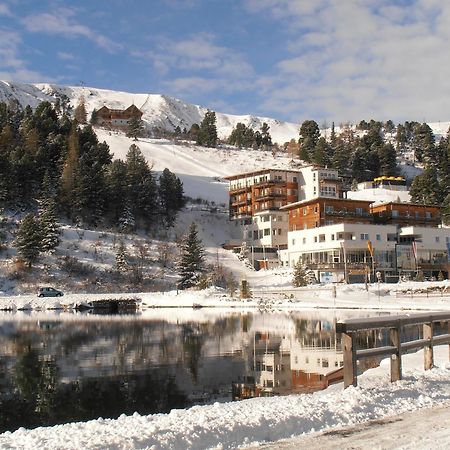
(201, 169)
(160, 111)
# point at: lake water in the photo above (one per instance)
(63, 368)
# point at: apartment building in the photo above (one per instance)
(256, 206)
(352, 240)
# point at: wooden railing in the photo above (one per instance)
(396, 325)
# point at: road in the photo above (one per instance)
(422, 429)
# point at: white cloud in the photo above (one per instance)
(65, 56)
(356, 59)
(12, 66)
(62, 22)
(198, 64)
(4, 10)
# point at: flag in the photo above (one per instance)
(414, 249)
(369, 246)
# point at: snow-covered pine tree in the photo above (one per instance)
(299, 275)
(121, 258)
(28, 239)
(191, 264)
(127, 222)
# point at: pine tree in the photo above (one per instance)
(207, 135)
(321, 152)
(141, 185)
(425, 188)
(446, 210)
(388, 160)
(69, 168)
(194, 132)
(121, 258)
(299, 275)
(80, 111)
(309, 135)
(266, 139)
(170, 195)
(191, 265)
(126, 220)
(28, 239)
(49, 225)
(135, 128)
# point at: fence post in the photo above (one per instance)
(349, 350)
(428, 349)
(448, 327)
(396, 358)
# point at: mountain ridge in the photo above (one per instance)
(159, 110)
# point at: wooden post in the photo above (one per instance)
(448, 327)
(349, 350)
(428, 349)
(396, 358)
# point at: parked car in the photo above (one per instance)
(49, 292)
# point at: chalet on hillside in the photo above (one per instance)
(117, 118)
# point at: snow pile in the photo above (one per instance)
(232, 425)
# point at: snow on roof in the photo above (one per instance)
(380, 195)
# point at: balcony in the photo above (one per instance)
(270, 195)
(343, 213)
(270, 183)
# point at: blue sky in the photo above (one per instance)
(328, 60)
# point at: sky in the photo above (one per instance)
(327, 60)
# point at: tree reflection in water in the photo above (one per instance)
(36, 396)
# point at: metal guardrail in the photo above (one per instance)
(396, 324)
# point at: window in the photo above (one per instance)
(358, 211)
(315, 238)
(293, 241)
(329, 208)
(437, 239)
(304, 241)
(364, 237)
(294, 179)
(332, 237)
(394, 213)
(305, 211)
(266, 231)
(428, 215)
(417, 214)
(378, 237)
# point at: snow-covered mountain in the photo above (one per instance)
(160, 111)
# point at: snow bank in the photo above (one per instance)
(231, 425)
(271, 290)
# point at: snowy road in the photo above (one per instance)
(424, 429)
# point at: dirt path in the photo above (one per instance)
(423, 429)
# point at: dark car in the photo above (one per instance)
(49, 292)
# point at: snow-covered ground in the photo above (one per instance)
(259, 420)
(271, 290)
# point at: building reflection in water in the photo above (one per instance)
(300, 359)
